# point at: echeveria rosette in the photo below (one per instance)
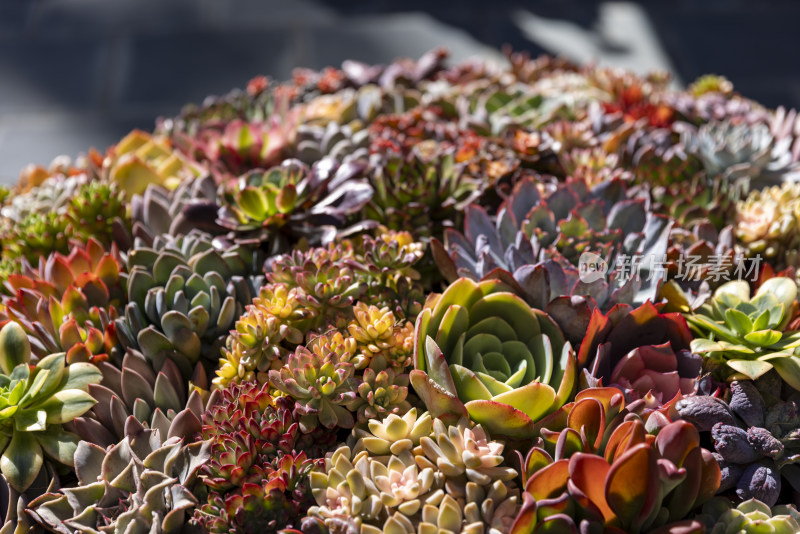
(144, 483)
(34, 402)
(746, 337)
(158, 398)
(536, 243)
(184, 295)
(642, 351)
(482, 351)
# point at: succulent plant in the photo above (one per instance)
(238, 146)
(52, 193)
(745, 153)
(159, 399)
(284, 204)
(446, 477)
(640, 351)
(746, 337)
(34, 236)
(36, 401)
(314, 291)
(321, 384)
(482, 351)
(141, 159)
(191, 205)
(68, 302)
(142, 484)
(754, 436)
(539, 242)
(260, 460)
(766, 224)
(424, 193)
(184, 295)
(720, 516)
(98, 211)
(637, 485)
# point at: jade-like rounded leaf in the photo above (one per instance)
(14, 347)
(21, 461)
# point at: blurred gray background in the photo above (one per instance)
(76, 74)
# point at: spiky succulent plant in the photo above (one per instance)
(34, 236)
(68, 302)
(98, 211)
(184, 295)
(35, 401)
(260, 460)
(744, 336)
(482, 351)
(142, 484)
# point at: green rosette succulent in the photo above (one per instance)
(745, 337)
(184, 296)
(482, 351)
(34, 403)
(720, 516)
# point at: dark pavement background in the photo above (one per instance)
(76, 74)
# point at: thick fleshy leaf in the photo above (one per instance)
(21, 460)
(500, 419)
(437, 400)
(63, 406)
(632, 487)
(752, 369)
(14, 347)
(549, 481)
(787, 365)
(589, 474)
(58, 444)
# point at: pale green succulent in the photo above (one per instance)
(720, 516)
(452, 481)
(746, 337)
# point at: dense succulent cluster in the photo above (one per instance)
(411, 298)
